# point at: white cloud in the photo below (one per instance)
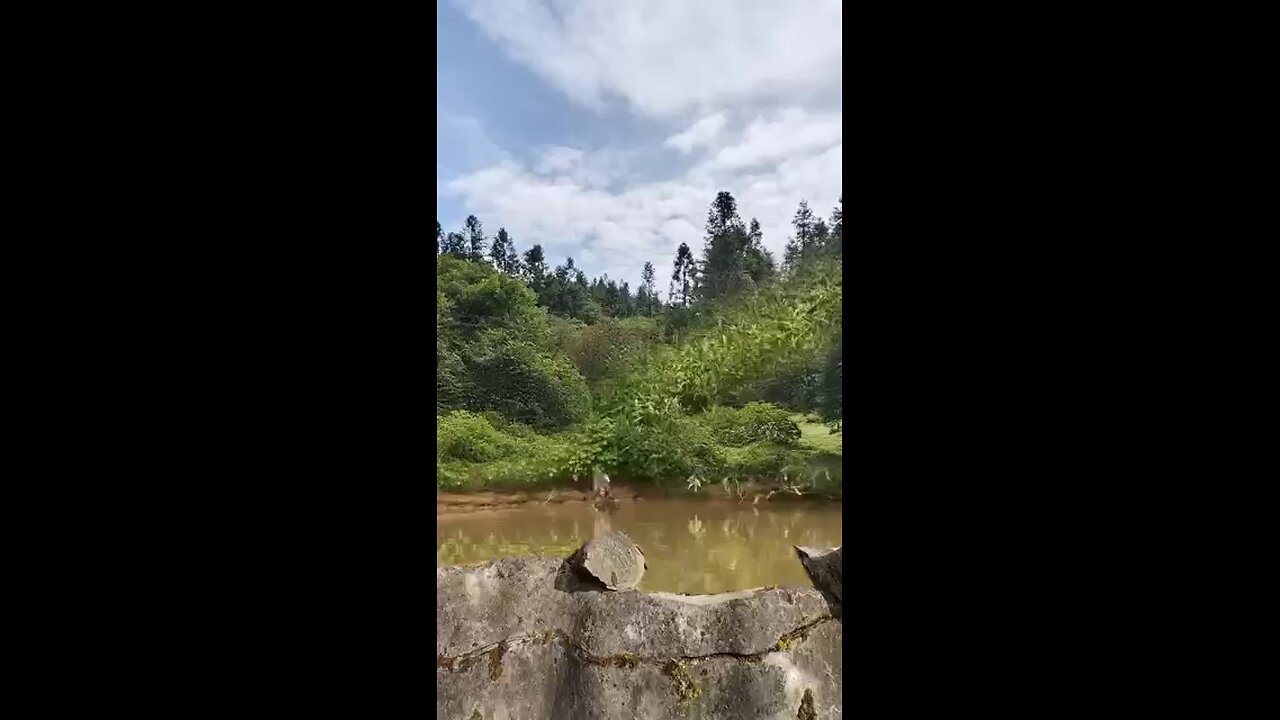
(746, 91)
(617, 231)
(665, 57)
(792, 133)
(700, 133)
(599, 168)
(558, 158)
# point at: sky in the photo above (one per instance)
(603, 129)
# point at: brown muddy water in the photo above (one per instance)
(691, 546)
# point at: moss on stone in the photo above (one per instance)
(686, 688)
(625, 660)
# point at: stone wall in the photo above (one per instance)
(526, 638)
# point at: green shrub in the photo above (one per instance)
(520, 458)
(609, 348)
(672, 450)
(763, 460)
(479, 297)
(454, 388)
(648, 446)
(461, 435)
(527, 385)
(756, 422)
(494, 351)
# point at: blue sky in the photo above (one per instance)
(603, 129)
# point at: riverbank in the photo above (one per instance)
(510, 483)
(747, 493)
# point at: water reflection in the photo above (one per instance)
(691, 546)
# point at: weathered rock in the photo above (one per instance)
(824, 568)
(510, 643)
(613, 559)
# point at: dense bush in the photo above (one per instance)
(466, 436)
(664, 445)
(494, 352)
(767, 335)
(485, 450)
(528, 385)
(609, 348)
(756, 422)
(480, 298)
(673, 449)
(763, 460)
(453, 380)
(616, 396)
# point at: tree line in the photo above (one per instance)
(733, 261)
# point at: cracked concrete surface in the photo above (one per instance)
(516, 638)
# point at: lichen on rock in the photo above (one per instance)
(686, 688)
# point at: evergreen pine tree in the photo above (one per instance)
(475, 238)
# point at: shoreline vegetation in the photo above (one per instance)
(730, 387)
(815, 436)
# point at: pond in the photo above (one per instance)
(691, 546)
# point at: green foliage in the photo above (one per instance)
(454, 387)
(526, 384)
(765, 335)
(683, 276)
(609, 348)
(646, 430)
(565, 292)
(479, 299)
(494, 352)
(763, 460)
(543, 374)
(663, 445)
(454, 245)
(475, 239)
(668, 448)
(757, 422)
(677, 324)
(486, 451)
(466, 436)
(830, 386)
(724, 260)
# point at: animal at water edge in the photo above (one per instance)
(600, 483)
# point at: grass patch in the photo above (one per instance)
(818, 436)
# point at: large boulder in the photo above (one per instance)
(612, 559)
(516, 639)
(825, 567)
